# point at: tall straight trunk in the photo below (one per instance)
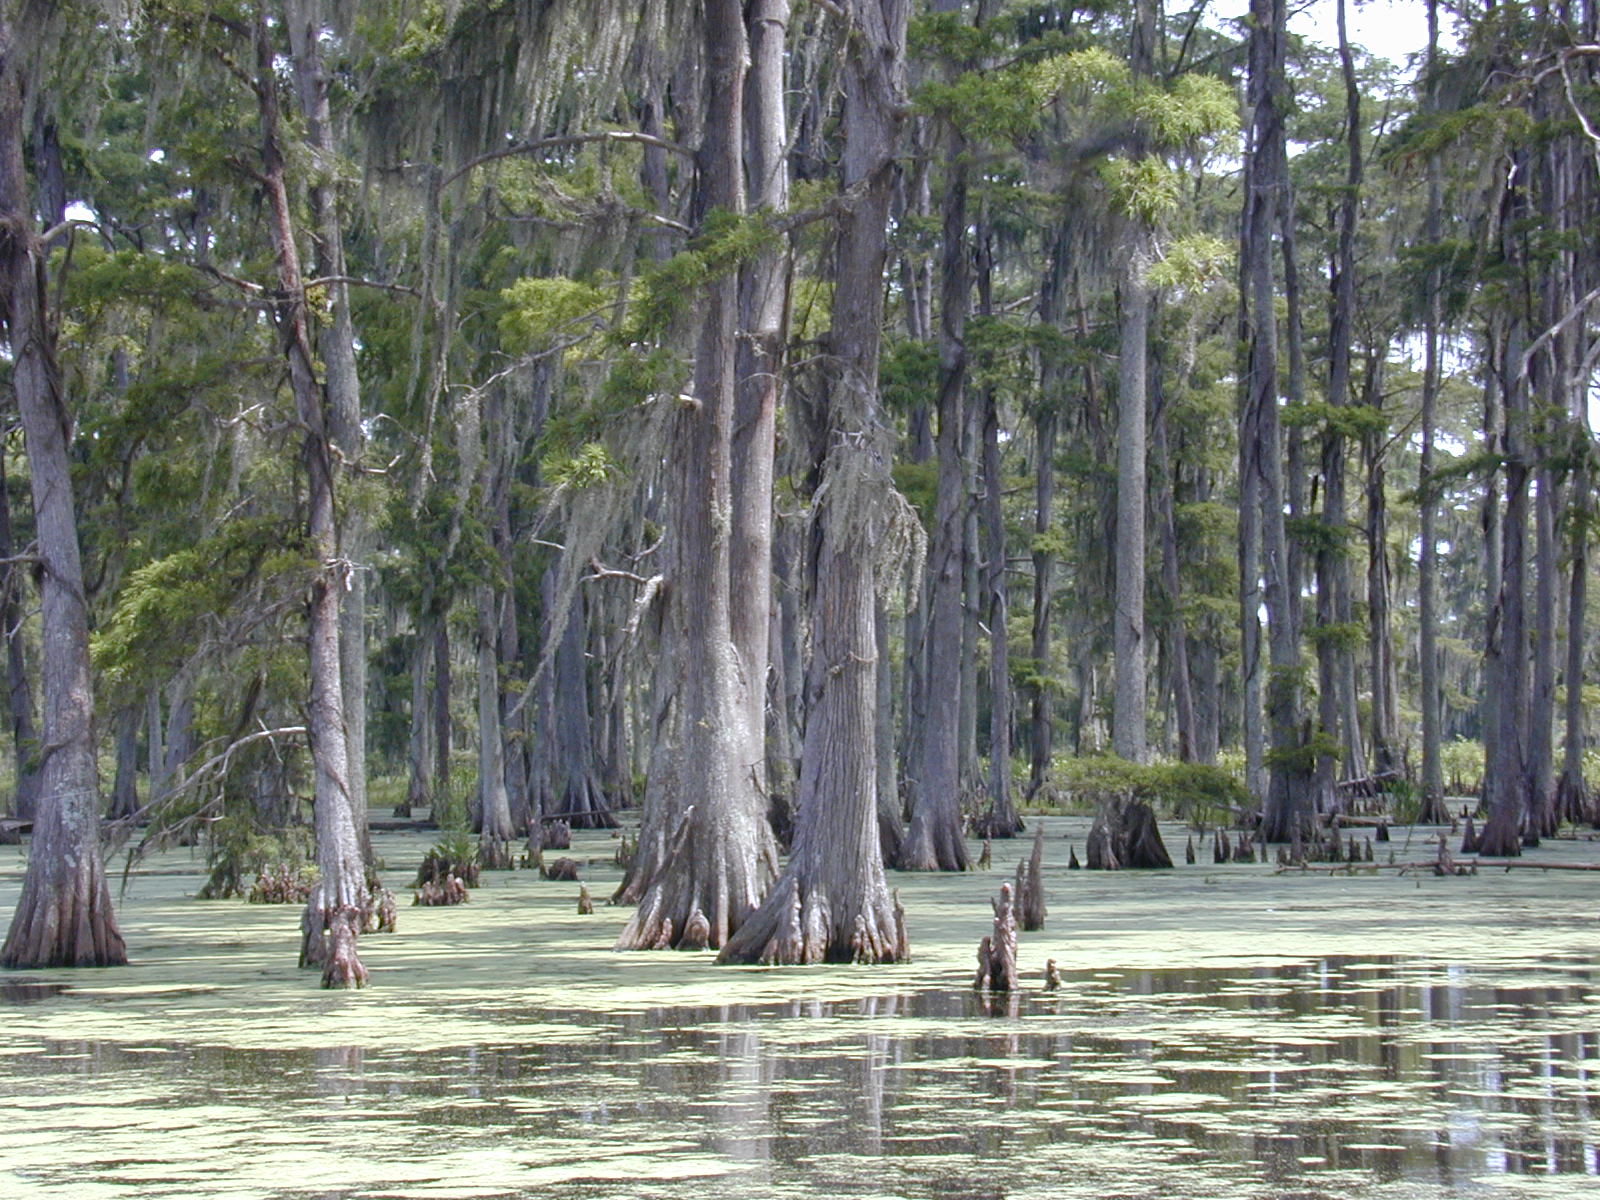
(934, 841)
(125, 784)
(1003, 820)
(574, 787)
(832, 903)
(1542, 682)
(1431, 700)
(306, 23)
(1380, 633)
(764, 311)
(64, 915)
(419, 759)
(1573, 801)
(1171, 580)
(716, 852)
(1261, 441)
(1506, 656)
(1335, 651)
(19, 683)
(1129, 701)
(494, 800)
(1041, 693)
(1128, 732)
(891, 828)
(1492, 524)
(334, 914)
(440, 707)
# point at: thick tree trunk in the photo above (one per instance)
(832, 902)
(64, 915)
(719, 855)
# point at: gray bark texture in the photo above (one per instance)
(335, 910)
(64, 915)
(832, 902)
(713, 851)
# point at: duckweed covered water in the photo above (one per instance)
(1220, 1032)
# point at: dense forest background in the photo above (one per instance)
(824, 427)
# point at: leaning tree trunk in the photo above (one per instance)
(64, 915)
(335, 910)
(832, 902)
(718, 855)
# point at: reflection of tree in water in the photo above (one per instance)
(1289, 1078)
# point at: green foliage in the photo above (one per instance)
(1192, 262)
(1188, 791)
(588, 466)
(539, 310)
(1145, 188)
(239, 849)
(666, 291)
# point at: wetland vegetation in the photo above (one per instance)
(640, 476)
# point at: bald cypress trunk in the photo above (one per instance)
(334, 914)
(716, 852)
(64, 915)
(832, 902)
(19, 692)
(933, 840)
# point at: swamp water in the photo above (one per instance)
(1220, 1032)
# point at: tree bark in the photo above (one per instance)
(832, 902)
(1128, 732)
(334, 914)
(933, 841)
(64, 915)
(24, 734)
(718, 856)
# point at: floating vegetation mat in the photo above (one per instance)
(1219, 1032)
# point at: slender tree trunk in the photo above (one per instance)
(64, 915)
(1573, 801)
(764, 309)
(1431, 700)
(832, 902)
(1261, 442)
(306, 23)
(1128, 731)
(1171, 577)
(420, 760)
(24, 735)
(494, 800)
(1003, 820)
(334, 914)
(934, 841)
(441, 713)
